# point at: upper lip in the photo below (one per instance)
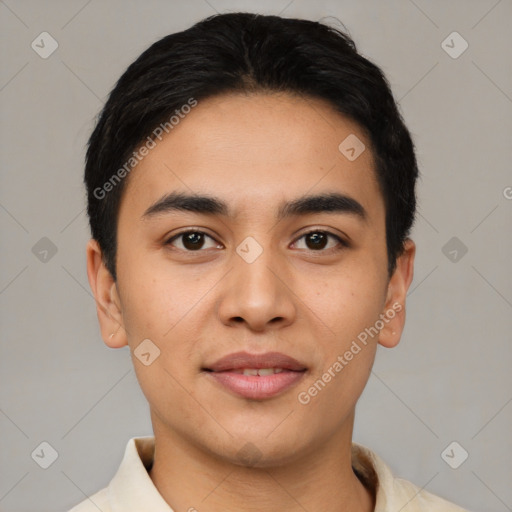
(241, 360)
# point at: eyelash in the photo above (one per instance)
(342, 243)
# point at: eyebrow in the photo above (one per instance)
(209, 205)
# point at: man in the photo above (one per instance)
(251, 189)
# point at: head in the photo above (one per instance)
(277, 134)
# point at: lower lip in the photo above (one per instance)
(255, 387)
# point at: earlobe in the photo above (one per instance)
(394, 310)
(104, 289)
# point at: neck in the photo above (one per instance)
(189, 478)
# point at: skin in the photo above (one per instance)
(252, 151)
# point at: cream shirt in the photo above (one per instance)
(132, 490)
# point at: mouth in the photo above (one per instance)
(256, 376)
(261, 372)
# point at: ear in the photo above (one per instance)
(393, 314)
(108, 305)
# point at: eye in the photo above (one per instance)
(192, 240)
(317, 240)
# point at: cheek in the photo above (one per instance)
(154, 310)
(345, 300)
(148, 311)
(333, 394)
(152, 299)
(159, 305)
(347, 309)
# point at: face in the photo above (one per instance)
(257, 267)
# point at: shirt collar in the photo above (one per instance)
(132, 489)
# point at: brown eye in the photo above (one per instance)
(316, 240)
(319, 241)
(191, 241)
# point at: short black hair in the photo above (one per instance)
(245, 53)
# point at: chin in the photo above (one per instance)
(258, 450)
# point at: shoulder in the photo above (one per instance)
(98, 501)
(419, 500)
(393, 493)
(131, 488)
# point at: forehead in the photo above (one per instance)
(254, 149)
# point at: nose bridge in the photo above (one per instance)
(255, 291)
(254, 278)
(254, 270)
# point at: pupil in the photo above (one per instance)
(318, 240)
(193, 241)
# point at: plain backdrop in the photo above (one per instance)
(448, 381)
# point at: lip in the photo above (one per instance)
(239, 360)
(224, 372)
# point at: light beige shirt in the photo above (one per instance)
(132, 490)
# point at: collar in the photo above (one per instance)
(132, 489)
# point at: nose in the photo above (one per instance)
(258, 294)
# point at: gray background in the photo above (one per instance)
(448, 380)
